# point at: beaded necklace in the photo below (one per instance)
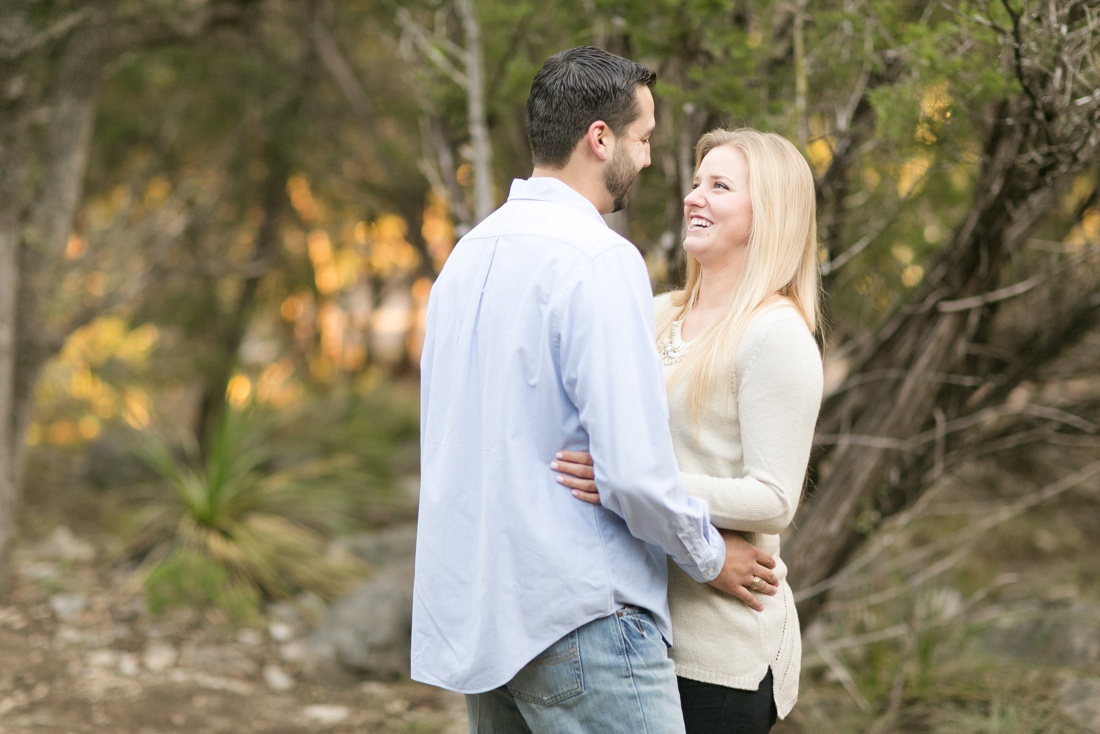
(673, 347)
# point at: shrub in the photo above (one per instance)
(243, 522)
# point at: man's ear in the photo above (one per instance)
(599, 139)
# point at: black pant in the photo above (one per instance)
(711, 709)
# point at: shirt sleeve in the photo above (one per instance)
(611, 373)
(779, 391)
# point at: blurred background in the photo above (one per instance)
(219, 224)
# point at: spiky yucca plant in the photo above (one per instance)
(242, 520)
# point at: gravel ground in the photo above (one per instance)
(77, 654)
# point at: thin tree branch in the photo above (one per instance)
(841, 673)
(431, 48)
(833, 264)
(957, 540)
(1001, 294)
(341, 72)
(14, 48)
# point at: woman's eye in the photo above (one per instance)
(720, 185)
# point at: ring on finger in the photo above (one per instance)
(757, 584)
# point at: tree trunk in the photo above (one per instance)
(58, 72)
(234, 325)
(13, 158)
(475, 108)
(12, 149)
(468, 73)
(26, 251)
(871, 430)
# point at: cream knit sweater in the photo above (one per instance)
(748, 461)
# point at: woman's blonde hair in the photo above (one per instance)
(781, 259)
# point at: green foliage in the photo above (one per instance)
(187, 578)
(262, 520)
(377, 430)
(924, 637)
(936, 679)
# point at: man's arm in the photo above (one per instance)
(744, 563)
(611, 373)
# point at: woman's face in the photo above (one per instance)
(718, 211)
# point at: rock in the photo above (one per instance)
(249, 638)
(68, 607)
(282, 611)
(284, 621)
(280, 631)
(217, 661)
(296, 651)
(1081, 702)
(159, 656)
(277, 679)
(326, 713)
(101, 659)
(65, 546)
(38, 570)
(383, 547)
(368, 631)
(67, 636)
(128, 665)
(221, 683)
(12, 618)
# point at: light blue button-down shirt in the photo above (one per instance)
(540, 337)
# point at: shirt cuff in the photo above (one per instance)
(708, 555)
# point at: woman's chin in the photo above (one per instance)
(696, 245)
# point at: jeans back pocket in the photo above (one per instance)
(553, 676)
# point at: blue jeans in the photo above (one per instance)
(611, 675)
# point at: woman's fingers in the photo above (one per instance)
(576, 473)
(583, 489)
(762, 586)
(582, 485)
(745, 595)
(592, 498)
(768, 576)
(574, 468)
(575, 457)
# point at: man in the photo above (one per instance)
(550, 614)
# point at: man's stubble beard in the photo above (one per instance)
(618, 178)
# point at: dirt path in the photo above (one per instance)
(78, 656)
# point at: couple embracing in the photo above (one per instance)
(604, 475)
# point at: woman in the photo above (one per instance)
(744, 382)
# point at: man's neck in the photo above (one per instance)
(587, 184)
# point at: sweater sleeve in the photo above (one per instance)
(779, 386)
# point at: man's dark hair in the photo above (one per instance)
(575, 88)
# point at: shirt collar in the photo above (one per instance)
(545, 188)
